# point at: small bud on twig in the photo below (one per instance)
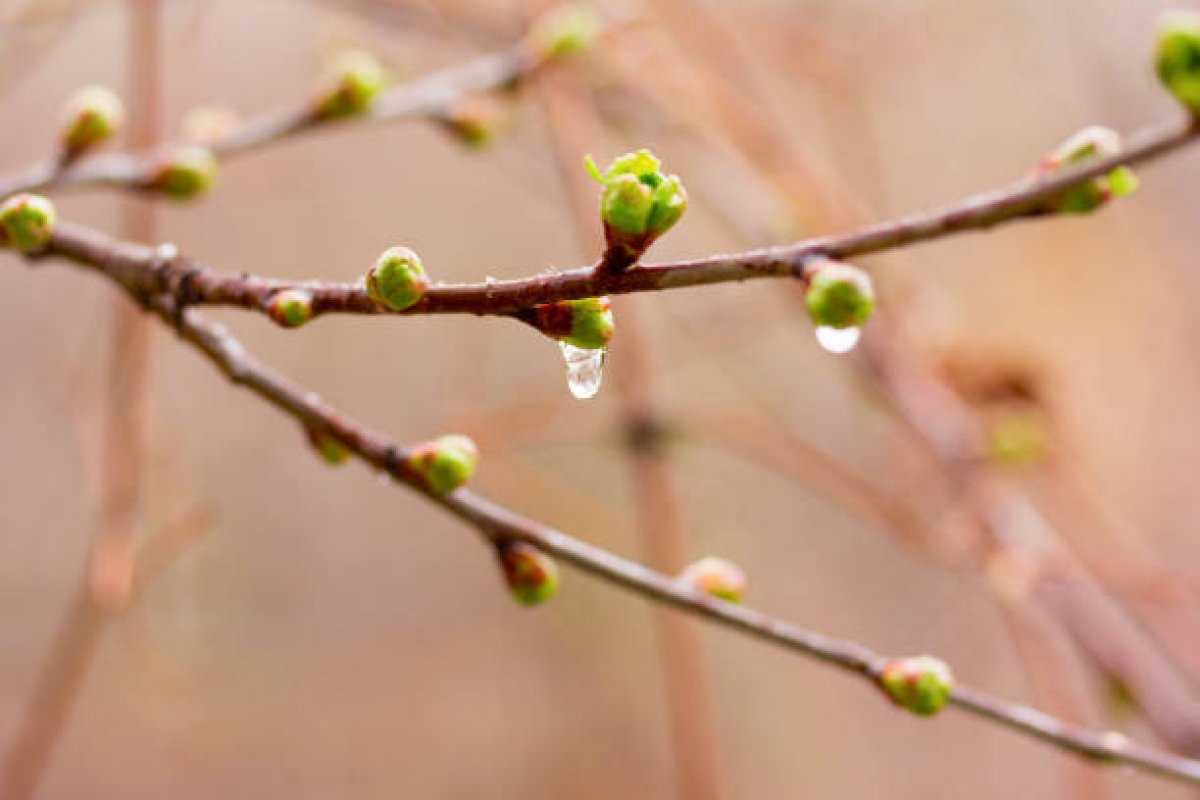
(26, 222)
(352, 81)
(839, 295)
(1177, 57)
(563, 31)
(91, 115)
(445, 463)
(1089, 143)
(397, 279)
(639, 204)
(330, 449)
(183, 171)
(586, 323)
(531, 575)
(716, 576)
(474, 120)
(922, 684)
(1017, 438)
(290, 308)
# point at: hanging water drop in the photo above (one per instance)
(585, 370)
(838, 340)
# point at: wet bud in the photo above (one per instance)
(208, 125)
(474, 120)
(1089, 143)
(352, 81)
(716, 576)
(586, 324)
(92, 115)
(922, 684)
(290, 308)
(183, 172)
(563, 31)
(1177, 57)
(531, 575)
(445, 463)
(397, 279)
(330, 449)
(839, 295)
(1017, 438)
(639, 203)
(26, 222)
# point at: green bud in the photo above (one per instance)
(839, 295)
(349, 86)
(397, 279)
(26, 222)
(639, 203)
(473, 120)
(563, 31)
(1089, 143)
(586, 323)
(531, 575)
(716, 576)
(1017, 438)
(290, 308)
(184, 171)
(922, 684)
(330, 449)
(445, 463)
(1177, 57)
(92, 115)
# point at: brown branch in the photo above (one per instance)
(495, 521)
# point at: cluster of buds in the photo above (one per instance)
(838, 295)
(586, 324)
(348, 86)
(92, 115)
(1177, 58)
(716, 576)
(329, 448)
(474, 120)
(563, 31)
(183, 171)
(639, 204)
(397, 279)
(531, 575)
(290, 308)
(1087, 144)
(921, 684)
(26, 222)
(444, 464)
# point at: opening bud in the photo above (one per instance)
(349, 85)
(531, 575)
(91, 115)
(183, 172)
(839, 295)
(290, 308)
(26, 222)
(586, 324)
(922, 684)
(639, 204)
(1089, 143)
(445, 463)
(397, 279)
(563, 31)
(1177, 57)
(716, 576)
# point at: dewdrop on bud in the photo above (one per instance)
(922, 684)
(349, 85)
(397, 279)
(638, 204)
(531, 575)
(327, 447)
(26, 222)
(445, 463)
(563, 31)
(1177, 57)
(1089, 143)
(290, 308)
(586, 324)
(839, 296)
(716, 576)
(183, 172)
(91, 115)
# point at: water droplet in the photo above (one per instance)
(838, 340)
(585, 370)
